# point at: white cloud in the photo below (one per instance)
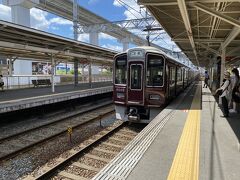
(133, 9)
(54, 28)
(5, 13)
(113, 47)
(39, 19)
(106, 36)
(116, 3)
(83, 38)
(61, 21)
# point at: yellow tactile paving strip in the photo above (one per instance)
(186, 160)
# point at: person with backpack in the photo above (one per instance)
(224, 92)
(235, 87)
(206, 78)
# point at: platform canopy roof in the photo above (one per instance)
(22, 42)
(201, 28)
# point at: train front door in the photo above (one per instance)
(135, 83)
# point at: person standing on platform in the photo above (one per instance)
(224, 91)
(235, 86)
(1, 82)
(206, 78)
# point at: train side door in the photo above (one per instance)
(167, 80)
(135, 83)
(172, 83)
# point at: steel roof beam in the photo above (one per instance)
(50, 51)
(173, 3)
(209, 49)
(232, 35)
(214, 40)
(221, 16)
(233, 51)
(184, 14)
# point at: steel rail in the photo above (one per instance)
(52, 171)
(31, 145)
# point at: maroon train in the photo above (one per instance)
(145, 79)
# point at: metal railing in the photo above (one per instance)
(25, 81)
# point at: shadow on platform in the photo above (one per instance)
(234, 122)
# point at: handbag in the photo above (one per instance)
(220, 91)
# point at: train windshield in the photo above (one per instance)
(136, 76)
(121, 70)
(155, 69)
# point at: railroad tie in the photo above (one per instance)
(84, 166)
(111, 144)
(71, 176)
(125, 135)
(117, 139)
(106, 151)
(97, 158)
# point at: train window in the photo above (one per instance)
(179, 74)
(185, 74)
(172, 75)
(121, 70)
(136, 76)
(155, 67)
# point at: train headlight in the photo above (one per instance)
(154, 97)
(120, 95)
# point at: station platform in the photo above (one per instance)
(188, 140)
(18, 99)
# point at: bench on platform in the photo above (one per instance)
(39, 82)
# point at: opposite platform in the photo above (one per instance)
(182, 142)
(13, 100)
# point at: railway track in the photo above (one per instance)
(23, 141)
(86, 160)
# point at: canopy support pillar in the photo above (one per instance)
(53, 73)
(90, 74)
(75, 72)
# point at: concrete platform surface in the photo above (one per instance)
(27, 98)
(185, 141)
(46, 90)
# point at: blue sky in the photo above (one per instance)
(106, 10)
(112, 10)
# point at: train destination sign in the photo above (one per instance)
(156, 61)
(136, 53)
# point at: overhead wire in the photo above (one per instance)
(130, 7)
(124, 5)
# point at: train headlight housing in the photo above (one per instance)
(120, 95)
(154, 97)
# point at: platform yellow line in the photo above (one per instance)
(186, 160)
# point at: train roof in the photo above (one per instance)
(155, 50)
(148, 49)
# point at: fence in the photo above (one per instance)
(19, 81)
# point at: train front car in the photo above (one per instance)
(139, 84)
